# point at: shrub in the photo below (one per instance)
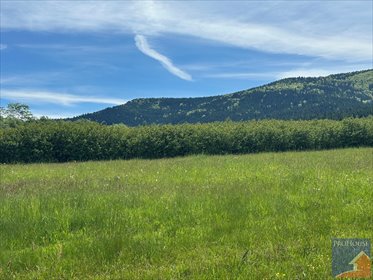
(61, 141)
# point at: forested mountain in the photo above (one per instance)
(334, 97)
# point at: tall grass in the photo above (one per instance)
(259, 216)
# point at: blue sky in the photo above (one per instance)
(65, 58)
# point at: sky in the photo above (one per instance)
(66, 58)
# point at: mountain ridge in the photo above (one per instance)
(335, 96)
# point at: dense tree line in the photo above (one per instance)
(61, 141)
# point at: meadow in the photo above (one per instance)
(256, 216)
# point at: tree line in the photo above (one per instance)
(62, 141)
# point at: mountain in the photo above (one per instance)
(335, 96)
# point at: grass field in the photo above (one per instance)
(259, 216)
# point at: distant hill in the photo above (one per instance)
(334, 97)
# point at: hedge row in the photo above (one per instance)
(58, 141)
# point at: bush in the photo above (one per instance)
(61, 141)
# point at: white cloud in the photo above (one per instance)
(306, 70)
(329, 29)
(143, 45)
(242, 75)
(54, 115)
(56, 98)
(318, 72)
(305, 73)
(74, 49)
(34, 79)
(3, 47)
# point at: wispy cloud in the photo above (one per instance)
(36, 79)
(143, 45)
(54, 115)
(3, 47)
(328, 29)
(318, 72)
(33, 96)
(307, 70)
(304, 72)
(75, 49)
(242, 75)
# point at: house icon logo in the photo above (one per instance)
(351, 258)
(361, 269)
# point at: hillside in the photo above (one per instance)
(335, 96)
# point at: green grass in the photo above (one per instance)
(259, 216)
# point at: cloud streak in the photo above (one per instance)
(54, 115)
(325, 29)
(3, 47)
(311, 71)
(33, 96)
(242, 75)
(143, 45)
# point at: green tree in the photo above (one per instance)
(15, 114)
(18, 111)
